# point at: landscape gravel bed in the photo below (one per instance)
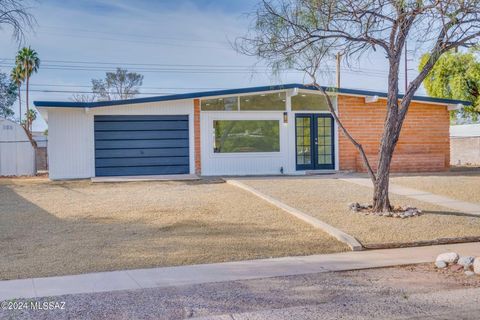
(59, 228)
(459, 187)
(329, 199)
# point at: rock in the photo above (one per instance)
(456, 268)
(466, 262)
(449, 258)
(476, 265)
(469, 273)
(440, 264)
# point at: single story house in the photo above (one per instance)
(281, 129)
(465, 145)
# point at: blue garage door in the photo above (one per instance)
(141, 145)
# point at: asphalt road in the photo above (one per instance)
(391, 293)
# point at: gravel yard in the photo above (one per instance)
(458, 186)
(328, 199)
(58, 228)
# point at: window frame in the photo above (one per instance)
(238, 96)
(244, 154)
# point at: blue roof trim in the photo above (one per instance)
(195, 95)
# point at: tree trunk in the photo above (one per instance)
(20, 104)
(27, 120)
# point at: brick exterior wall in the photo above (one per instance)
(465, 151)
(424, 143)
(196, 125)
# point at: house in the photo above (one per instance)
(465, 145)
(283, 129)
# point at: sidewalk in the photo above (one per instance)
(463, 206)
(220, 272)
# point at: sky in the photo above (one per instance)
(178, 45)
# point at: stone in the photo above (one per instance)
(469, 273)
(476, 265)
(456, 268)
(440, 264)
(448, 257)
(466, 262)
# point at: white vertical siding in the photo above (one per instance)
(70, 151)
(17, 155)
(71, 147)
(242, 163)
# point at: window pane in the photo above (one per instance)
(234, 136)
(261, 102)
(316, 102)
(220, 104)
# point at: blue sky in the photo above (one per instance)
(178, 45)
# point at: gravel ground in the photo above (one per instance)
(59, 228)
(328, 199)
(414, 292)
(459, 186)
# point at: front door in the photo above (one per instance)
(314, 142)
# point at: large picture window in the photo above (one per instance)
(238, 136)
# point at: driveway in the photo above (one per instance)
(59, 228)
(417, 292)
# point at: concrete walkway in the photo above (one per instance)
(462, 206)
(221, 272)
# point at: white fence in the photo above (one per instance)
(17, 155)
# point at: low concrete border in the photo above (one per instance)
(341, 236)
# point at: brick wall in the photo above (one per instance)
(465, 151)
(196, 125)
(424, 143)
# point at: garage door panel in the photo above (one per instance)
(141, 145)
(131, 162)
(140, 118)
(135, 144)
(131, 171)
(145, 125)
(141, 135)
(132, 153)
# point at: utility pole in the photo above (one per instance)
(339, 58)
(406, 68)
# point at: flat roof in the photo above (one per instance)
(204, 94)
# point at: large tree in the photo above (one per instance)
(456, 76)
(302, 33)
(117, 85)
(29, 61)
(8, 95)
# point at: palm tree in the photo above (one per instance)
(18, 76)
(28, 59)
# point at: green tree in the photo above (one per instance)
(118, 85)
(30, 62)
(8, 96)
(18, 76)
(455, 76)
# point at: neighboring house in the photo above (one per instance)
(17, 154)
(465, 145)
(41, 151)
(252, 131)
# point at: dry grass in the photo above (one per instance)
(459, 186)
(58, 228)
(328, 199)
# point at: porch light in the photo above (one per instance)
(285, 117)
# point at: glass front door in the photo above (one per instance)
(314, 142)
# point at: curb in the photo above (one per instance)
(341, 236)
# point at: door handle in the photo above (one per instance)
(316, 141)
